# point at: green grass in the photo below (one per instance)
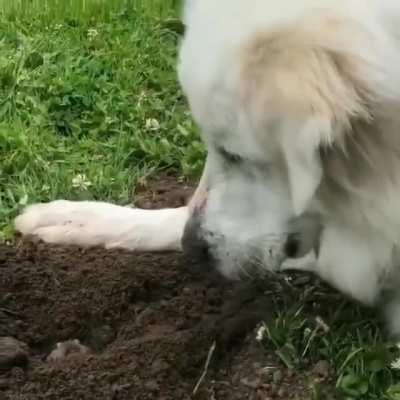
(89, 104)
(364, 365)
(89, 92)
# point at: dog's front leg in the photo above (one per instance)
(90, 223)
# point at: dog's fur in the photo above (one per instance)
(299, 105)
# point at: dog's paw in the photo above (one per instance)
(89, 223)
(65, 222)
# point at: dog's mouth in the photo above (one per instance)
(236, 260)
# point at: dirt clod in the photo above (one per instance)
(322, 369)
(68, 349)
(13, 353)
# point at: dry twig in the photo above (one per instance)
(203, 375)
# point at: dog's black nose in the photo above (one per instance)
(305, 237)
(197, 251)
(195, 248)
(292, 246)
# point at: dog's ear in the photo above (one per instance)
(309, 85)
(335, 96)
(303, 163)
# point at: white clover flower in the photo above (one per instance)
(307, 333)
(142, 96)
(396, 363)
(322, 325)
(261, 333)
(92, 33)
(23, 201)
(152, 124)
(81, 182)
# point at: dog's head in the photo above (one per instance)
(276, 94)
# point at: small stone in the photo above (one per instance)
(322, 369)
(235, 377)
(17, 375)
(274, 389)
(68, 349)
(159, 366)
(277, 377)
(257, 366)
(252, 384)
(282, 393)
(4, 384)
(7, 297)
(102, 336)
(290, 373)
(13, 353)
(261, 395)
(119, 388)
(152, 386)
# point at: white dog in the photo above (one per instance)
(299, 105)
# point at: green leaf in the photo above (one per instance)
(353, 385)
(393, 392)
(378, 359)
(288, 355)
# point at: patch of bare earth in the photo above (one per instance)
(143, 325)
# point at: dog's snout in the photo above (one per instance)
(195, 246)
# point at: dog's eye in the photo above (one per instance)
(230, 157)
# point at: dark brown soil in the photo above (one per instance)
(148, 320)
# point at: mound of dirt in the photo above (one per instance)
(148, 321)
